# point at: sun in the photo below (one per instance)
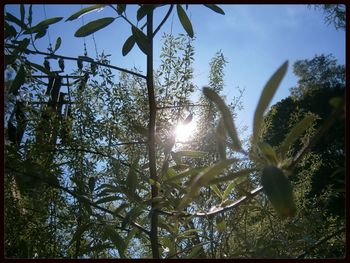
(184, 131)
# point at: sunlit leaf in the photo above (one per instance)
(220, 224)
(141, 40)
(268, 152)
(128, 45)
(190, 172)
(221, 139)
(265, 99)
(232, 176)
(185, 21)
(228, 190)
(93, 26)
(295, 133)
(279, 191)
(203, 178)
(193, 154)
(18, 81)
(226, 115)
(85, 11)
(216, 9)
(216, 190)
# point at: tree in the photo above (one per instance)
(106, 160)
(334, 14)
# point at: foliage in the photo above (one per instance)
(103, 175)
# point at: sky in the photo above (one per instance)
(255, 39)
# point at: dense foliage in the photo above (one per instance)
(94, 168)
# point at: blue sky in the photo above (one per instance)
(255, 39)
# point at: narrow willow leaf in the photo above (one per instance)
(295, 133)
(85, 11)
(193, 154)
(18, 81)
(141, 40)
(79, 232)
(216, 190)
(93, 26)
(221, 139)
(41, 68)
(30, 15)
(43, 24)
(107, 199)
(226, 115)
(185, 21)
(12, 18)
(117, 240)
(22, 11)
(121, 8)
(91, 183)
(208, 174)
(58, 44)
(190, 172)
(220, 224)
(128, 45)
(279, 191)
(131, 180)
(41, 33)
(265, 99)
(228, 190)
(143, 11)
(268, 152)
(216, 9)
(232, 176)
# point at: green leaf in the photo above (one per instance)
(41, 68)
(128, 45)
(18, 81)
(220, 224)
(204, 177)
(131, 180)
(58, 44)
(190, 172)
(279, 191)
(221, 139)
(93, 26)
(226, 115)
(85, 11)
(144, 10)
(216, 9)
(12, 18)
(30, 15)
(79, 232)
(117, 240)
(9, 59)
(121, 8)
(141, 40)
(41, 33)
(185, 21)
(107, 199)
(295, 133)
(228, 190)
(265, 99)
(22, 11)
(91, 183)
(216, 190)
(9, 31)
(42, 25)
(193, 154)
(232, 176)
(268, 152)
